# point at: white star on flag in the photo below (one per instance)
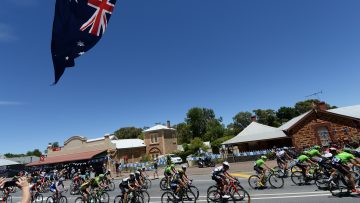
(81, 53)
(67, 58)
(80, 44)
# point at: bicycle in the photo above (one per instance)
(110, 185)
(340, 184)
(184, 195)
(164, 184)
(134, 196)
(234, 189)
(37, 197)
(56, 198)
(300, 178)
(274, 179)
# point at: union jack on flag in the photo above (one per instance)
(78, 26)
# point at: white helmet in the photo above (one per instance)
(226, 164)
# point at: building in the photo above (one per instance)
(24, 159)
(319, 126)
(160, 140)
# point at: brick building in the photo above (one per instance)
(319, 126)
(160, 140)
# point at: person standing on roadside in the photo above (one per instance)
(155, 164)
(24, 185)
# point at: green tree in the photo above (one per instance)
(55, 144)
(196, 144)
(218, 142)
(183, 133)
(267, 117)
(37, 153)
(214, 130)
(285, 114)
(197, 119)
(128, 133)
(305, 106)
(241, 121)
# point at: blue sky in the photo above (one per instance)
(159, 58)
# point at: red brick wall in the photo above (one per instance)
(307, 135)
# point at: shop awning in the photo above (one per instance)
(67, 158)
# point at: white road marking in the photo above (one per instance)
(288, 197)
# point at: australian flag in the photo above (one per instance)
(78, 26)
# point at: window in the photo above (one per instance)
(154, 138)
(324, 136)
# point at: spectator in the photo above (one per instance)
(24, 185)
(117, 168)
(156, 169)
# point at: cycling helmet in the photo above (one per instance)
(137, 173)
(180, 171)
(226, 164)
(285, 148)
(316, 147)
(143, 168)
(172, 166)
(132, 174)
(305, 152)
(264, 158)
(183, 167)
(332, 149)
(348, 150)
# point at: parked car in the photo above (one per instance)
(175, 159)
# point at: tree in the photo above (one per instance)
(218, 142)
(55, 144)
(267, 117)
(197, 119)
(285, 114)
(196, 144)
(305, 106)
(214, 130)
(241, 121)
(37, 153)
(183, 133)
(128, 133)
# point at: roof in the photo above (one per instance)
(128, 143)
(256, 131)
(101, 138)
(67, 158)
(25, 159)
(158, 127)
(351, 111)
(5, 162)
(293, 121)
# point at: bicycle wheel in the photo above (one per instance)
(167, 197)
(254, 181)
(279, 171)
(276, 181)
(336, 189)
(62, 199)
(322, 182)
(241, 196)
(148, 183)
(118, 199)
(297, 178)
(79, 200)
(163, 184)
(104, 197)
(38, 198)
(145, 195)
(111, 186)
(188, 197)
(213, 187)
(50, 200)
(195, 190)
(213, 195)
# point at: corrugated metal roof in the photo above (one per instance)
(5, 162)
(256, 131)
(128, 143)
(158, 127)
(67, 158)
(291, 122)
(352, 111)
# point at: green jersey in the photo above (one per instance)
(168, 169)
(303, 158)
(259, 162)
(314, 152)
(345, 157)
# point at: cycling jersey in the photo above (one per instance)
(85, 185)
(280, 154)
(219, 171)
(168, 170)
(302, 158)
(259, 163)
(343, 158)
(314, 152)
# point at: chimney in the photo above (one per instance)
(168, 124)
(322, 106)
(253, 118)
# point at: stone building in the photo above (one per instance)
(319, 126)
(160, 140)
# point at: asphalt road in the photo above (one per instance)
(290, 193)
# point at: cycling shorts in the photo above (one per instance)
(342, 168)
(259, 169)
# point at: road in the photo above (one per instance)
(290, 193)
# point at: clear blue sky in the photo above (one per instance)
(158, 58)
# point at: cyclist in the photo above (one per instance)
(281, 158)
(178, 182)
(139, 178)
(186, 178)
(124, 187)
(85, 188)
(168, 174)
(340, 162)
(132, 185)
(220, 174)
(258, 167)
(56, 186)
(303, 162)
